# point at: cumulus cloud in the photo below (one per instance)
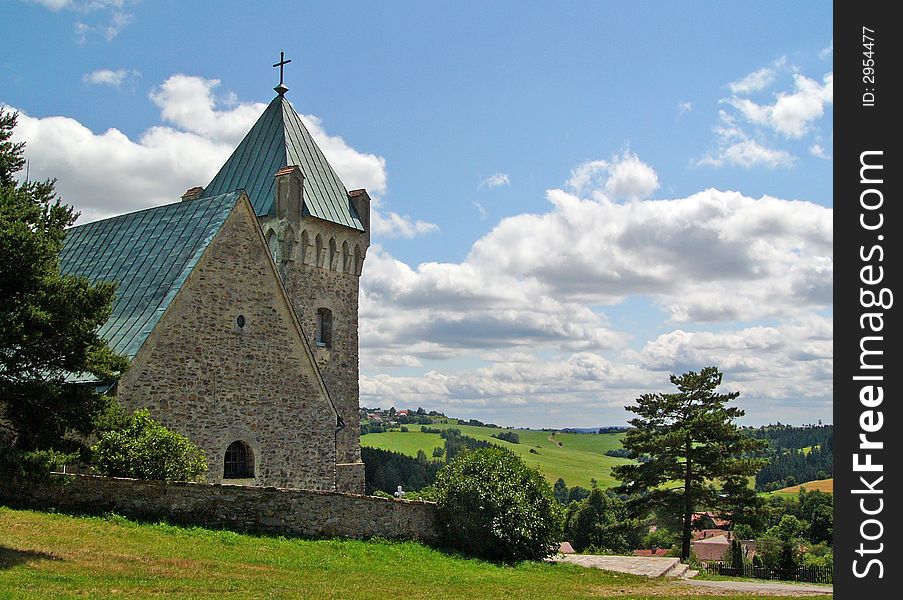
(624, 177)
(750, 130)
(108, 77)
(683, 108)
(539, 284)
(826, 52)
(767, 365)
(791, 114)
(495, 180)
(104, 174)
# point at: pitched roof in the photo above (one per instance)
(149, 254)
(279, 139)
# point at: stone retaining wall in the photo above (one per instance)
(247, 509)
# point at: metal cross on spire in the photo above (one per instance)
(281, 88)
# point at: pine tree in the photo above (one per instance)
(49, 319)
(691, 440)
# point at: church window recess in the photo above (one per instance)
(333, 255)
(324, 328)
(319, 250)
(273, 244)
(239, 461)
(346, 258)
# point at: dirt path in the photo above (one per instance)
(769, 587)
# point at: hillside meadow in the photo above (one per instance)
(575, 457)
(58, 556)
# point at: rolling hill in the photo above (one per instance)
(575, 457)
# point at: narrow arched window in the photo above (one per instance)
(346, 258)
(324, 328)
(358, 260)
(239, 461)
(319, 251)
(273, 244)
(302, 252)
(333, 255)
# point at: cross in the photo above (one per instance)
(282, 62)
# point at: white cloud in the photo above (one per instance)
(481, 209)
(108, 77)
(749, 132)
(748, 154)
(826, 52)
(53, 5)
(537, 283)
(819, 152)
(683, 108)
(754, 82)
(624, 177)
(392, 225)
(109, 173)
(792, 114)
(495, 180)
(108, 17)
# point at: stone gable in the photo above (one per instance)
(228, 362)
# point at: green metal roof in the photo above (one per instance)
(149, 254)
(279, 139)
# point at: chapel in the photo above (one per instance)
(237, 307)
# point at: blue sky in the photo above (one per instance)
(574, 201)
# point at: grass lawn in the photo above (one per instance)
(575, 457)
(58, 556)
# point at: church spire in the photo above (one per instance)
(281, 88)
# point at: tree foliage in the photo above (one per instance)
(491, 505)
(386, 470)
(601, 523)
(144, 449)
(692, 441)
(49, 319)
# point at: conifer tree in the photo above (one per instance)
(691, 441)
(49, 320)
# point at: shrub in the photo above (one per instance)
(491, 505)
(144, 449)
(34, 465)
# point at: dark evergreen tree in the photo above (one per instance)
(560, 490)
(691, 438)
(49, 319)
(602, 523)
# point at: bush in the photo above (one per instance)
(507, 436)
(144, 449)
(491, 505)
(34, 465)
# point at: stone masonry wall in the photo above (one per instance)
(324, 280)
(247, 509)
(203, 375)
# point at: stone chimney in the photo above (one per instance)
(289, 192)
(360, 200)
(192, 193)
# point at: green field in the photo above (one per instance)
(579, 457)
(58, 556)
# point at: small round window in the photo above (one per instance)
(240, 321)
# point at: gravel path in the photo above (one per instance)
(795, 589)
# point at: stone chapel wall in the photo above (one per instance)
(264, 510)
(319, 273)
(206, 376)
